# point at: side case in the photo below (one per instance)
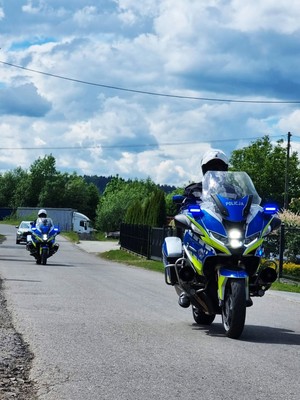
(171, 250)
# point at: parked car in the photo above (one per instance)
(24, 229)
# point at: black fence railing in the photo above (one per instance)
(135, 238)
(144, 240)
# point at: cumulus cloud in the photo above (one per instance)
(87, 106)
(23, 100)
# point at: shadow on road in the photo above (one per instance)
(255, 334)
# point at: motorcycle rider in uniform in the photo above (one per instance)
(42, 214)
(213, 160)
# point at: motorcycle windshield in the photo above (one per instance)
(229, 184)
(45, 224)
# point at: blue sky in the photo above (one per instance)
(75, 54)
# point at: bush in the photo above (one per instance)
(291, 269)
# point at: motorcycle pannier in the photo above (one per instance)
(172, 250)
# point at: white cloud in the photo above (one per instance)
(86, 15)
(282, 16)
(215, 49)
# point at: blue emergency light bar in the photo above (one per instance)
(195, 209)
(270, 209)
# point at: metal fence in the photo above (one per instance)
(144, 240)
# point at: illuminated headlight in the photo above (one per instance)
(235, 238)
(235, 244)
(235, 234)
(45, 237)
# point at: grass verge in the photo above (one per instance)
(286, 286)
(132, 259)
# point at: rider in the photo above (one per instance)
(42, 214)
(213, 160)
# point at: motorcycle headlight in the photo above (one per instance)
(235, 238)
(235, 234)
(45, 237)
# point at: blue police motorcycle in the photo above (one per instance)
(217, 262)
(41, 244)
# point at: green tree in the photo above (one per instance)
(9, 183)
(41, 171)
(135, 213)
(117, 197)
(92, 201)
(265, 163)
(53, 192)
(155, 209)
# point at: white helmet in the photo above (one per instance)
(214, 160)
(42, 213)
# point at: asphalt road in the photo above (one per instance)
(102, 330)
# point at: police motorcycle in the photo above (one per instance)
(41, 243)
(217, 263)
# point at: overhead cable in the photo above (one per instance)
(151, 93)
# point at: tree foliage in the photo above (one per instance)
(126, 201)
(266, 164)
(43, 186)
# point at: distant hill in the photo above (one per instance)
(99, 181)
(102, 181)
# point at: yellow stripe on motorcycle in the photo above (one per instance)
(253, 247)
(208, 240)
(197, 264)
(221, 286)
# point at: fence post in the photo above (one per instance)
(149, 239)
(281, 249)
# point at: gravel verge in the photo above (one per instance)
(15, 359)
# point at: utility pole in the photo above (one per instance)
(286, 184)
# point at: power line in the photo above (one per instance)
(99, 146)
(151, 93)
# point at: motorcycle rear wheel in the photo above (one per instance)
(234, 308)
(201, 318)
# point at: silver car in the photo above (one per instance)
(24, 229)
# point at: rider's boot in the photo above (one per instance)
(184, 300)
(30, 247)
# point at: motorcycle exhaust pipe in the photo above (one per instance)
(186, 273)
(268, 275)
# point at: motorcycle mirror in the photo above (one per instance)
(178, 198)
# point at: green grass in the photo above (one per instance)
(286, 286)
(72, 236)
(124, 257)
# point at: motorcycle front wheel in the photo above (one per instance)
(201, 318)
(44, 256)
(234, 308)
